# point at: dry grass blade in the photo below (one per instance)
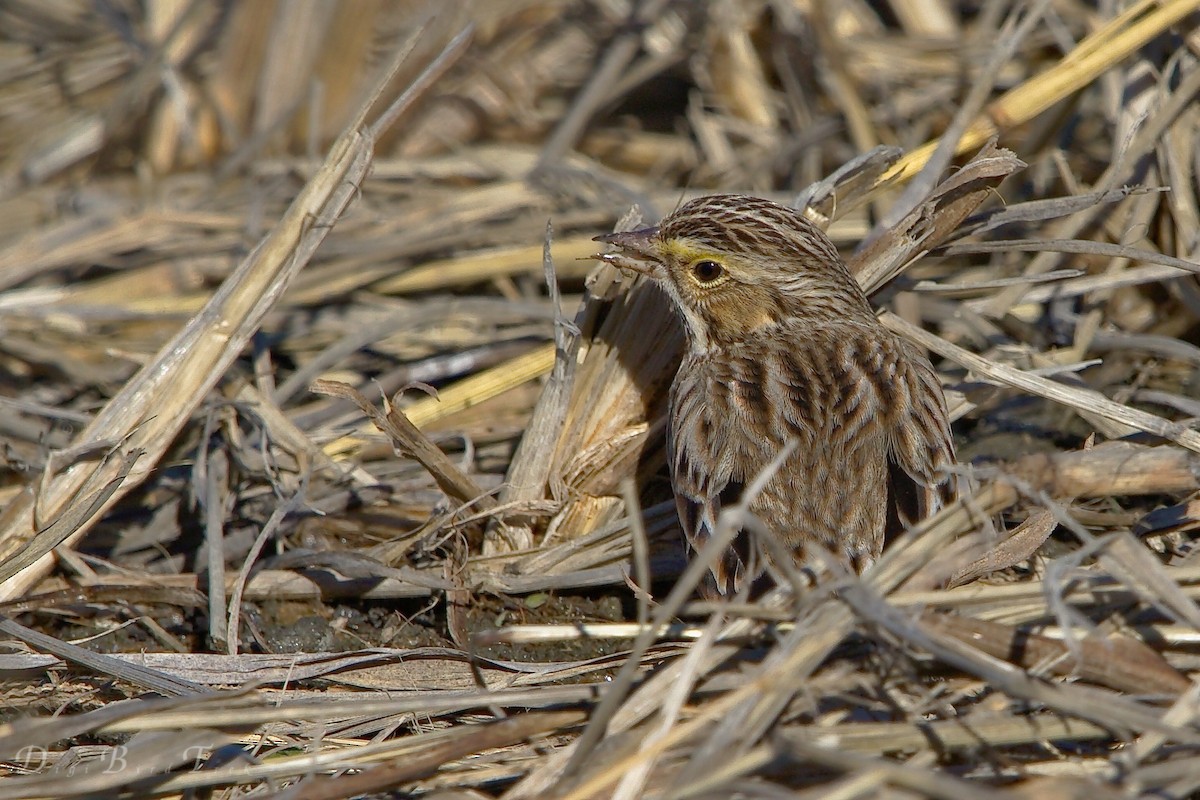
(153, 405)
(947, 735)
(530, 470)
(465, 394)
(933, 219)
(112, 472)
(1081, 399)
(847, 188)
(1120, 468)
(1113, 42)
(903, 777)
(619, 386)
(1104, 708)
(1117, 662)
(416, 765)
(1013, 550)
(105, 665)
(1081, 247)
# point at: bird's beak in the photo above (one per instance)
(637, 251)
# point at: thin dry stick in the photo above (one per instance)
(465, 393)
(217, 503)
(641, 549)
(632, 785)
(729, 523)
(406, 436)
(1082, 399)
(239, 585)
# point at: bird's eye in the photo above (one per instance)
(707, 271)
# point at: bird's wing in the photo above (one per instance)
(921, 446)
(698, 518)
(699, 494)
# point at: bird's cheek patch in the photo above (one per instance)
(756, 309)
(741, 314)
(758, 317)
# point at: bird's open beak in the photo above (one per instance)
(636, 251)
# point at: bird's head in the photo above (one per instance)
(738, 266)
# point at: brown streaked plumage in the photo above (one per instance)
(783, 344)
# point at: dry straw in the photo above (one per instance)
(1013, 183)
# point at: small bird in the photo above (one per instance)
(782, 345)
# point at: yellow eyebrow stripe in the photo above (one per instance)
(689, 254)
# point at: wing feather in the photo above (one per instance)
(700, 493)
(921, 446)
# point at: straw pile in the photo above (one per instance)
(308, 412)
